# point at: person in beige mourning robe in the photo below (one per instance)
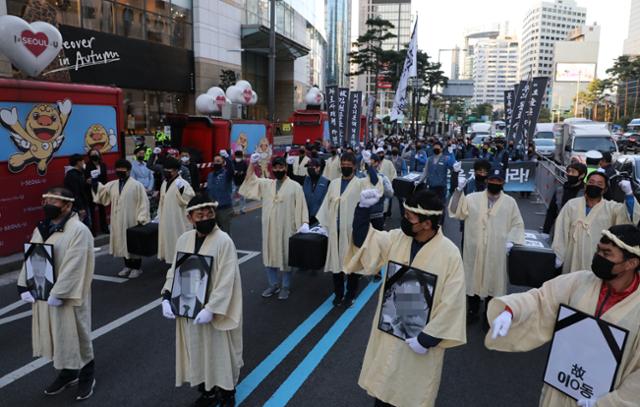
(175, 194)
(525, 321)
(407, 373)
(61, 325)
(332, 164)
(209, 347)
(129, 207)
(284, 211)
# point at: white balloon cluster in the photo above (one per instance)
(242, 93)
(212, 101)
(314, 96)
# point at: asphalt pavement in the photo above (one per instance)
(299, 352)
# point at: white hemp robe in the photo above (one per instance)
(172, 212)
(129, 207)
(211, 353)
(300, 167)
(332, 168)
(391, 371)
(534, 318)
(388, 169)
(341, 206)
(486, 232)
(63, 334)
(577, 234)
(283, 212)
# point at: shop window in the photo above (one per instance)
(98, 15)
(69, 12)
(158, 28)
(129, 21)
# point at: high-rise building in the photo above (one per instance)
(471, 37)
(545, 24)
(495, 69)
(338, 27)
(632, 43)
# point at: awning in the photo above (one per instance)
(257, 36)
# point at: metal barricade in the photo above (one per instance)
(549, 177)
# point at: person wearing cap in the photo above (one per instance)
(493, 223)
(209, 348)
(61, 328)
(572, 188)
(220, 189)
(606, 289)
(336, 216)
(139, 170)
(314, 185)
(331, 169)
(386, 167)
(284, 211)
(175, 194)
(500, 159)
(436, 169)
(129, 207)
(581, 219)
(407, 373)
(592, 159)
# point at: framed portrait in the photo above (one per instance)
(190, 292)
(585, 354)
(40, 268)
(407, 300)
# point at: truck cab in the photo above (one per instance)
(583, 136)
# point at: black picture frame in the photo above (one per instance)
(193, 272)
(576, 317)
(406, 284)
(40, 269)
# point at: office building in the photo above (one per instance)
(495, 69)
(338, 27)
(632, 42)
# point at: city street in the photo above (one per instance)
(299, 352)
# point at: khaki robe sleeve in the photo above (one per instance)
(72, 273)
(621, 214)
(101, 196)
(142, 209)
(627, 393)
(186, 195)
(302, 212)
(371, 256)
(223, 297)
(168, 282)
(462, 211)
(516, 234)
(561, 233)
(251, 187)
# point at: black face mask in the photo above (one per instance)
(394, 152)
(494, 189)
(437, 151)
(485, 149)
(279, 174)
(334, 152)
(51, 212)
(381, 157)
(122, 175)
(407, 227)
(95, 158)
(593, 191)
(346, 171)
(481, 178)
(168, 175)
(572, 179)
(217, 167)
(602, 267)
(313, 173)
(140, 158)
(206, 226)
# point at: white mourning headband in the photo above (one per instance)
(616, 240)
(56, 196)
(421, 211)
(203, 205)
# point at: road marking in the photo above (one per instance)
(11, 307)
(260, 372)
(15, 317)
(297, 378)
(38, 363)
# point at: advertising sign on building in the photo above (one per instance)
(566, 72)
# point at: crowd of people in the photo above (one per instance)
(345, 193)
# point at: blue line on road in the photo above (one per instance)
(257, 375)
(295, 380)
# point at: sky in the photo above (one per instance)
(442, 23)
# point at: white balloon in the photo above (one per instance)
(30, 47)
(205, 104)
(254, 98)
(242, 84)
(314, 97)
(234, 94)
(215, 91)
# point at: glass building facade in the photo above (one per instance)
(338, 23)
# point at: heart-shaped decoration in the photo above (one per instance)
(30, 47)
(247, 94)
(221, 100)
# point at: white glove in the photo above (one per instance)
(95, 173)
(9, 117)
(224, 154)
(369, 197)
(508, 246)
(167, 312)
(304, 228)
(625, 186)
(501, 324)
(366, 156)
(181, 183)
(204, 317)
(27, 297)
(339, 151)
(64, 106)
(291, 160)
(587, 402)
(558, 262)
(157, 150)
(415, 346)
(457, 167)
(288, 149)
(255, 157)
(462, 181)
(54, 302)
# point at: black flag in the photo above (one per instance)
(332, 112)
(343, 97)
(508, 107)
(532, 107)
(355, 111)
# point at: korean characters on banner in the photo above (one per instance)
(371, 114)
(508, 107)
(515, 132)
(343, 99)
(332, 112)
(520, 176)
(532, 107)
(355, 111)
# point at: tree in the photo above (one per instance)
(483, 109)
(227, 78)
(544, 116)
(624, 69)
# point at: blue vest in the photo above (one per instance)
(314, 197)
(437, 171)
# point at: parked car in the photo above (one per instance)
(545, 147)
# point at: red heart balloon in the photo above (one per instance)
(34, 42)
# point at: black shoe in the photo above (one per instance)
(226, 398)
(337, 301)
(207, 399)
(85, 389)
(348, 302)
(65, 379)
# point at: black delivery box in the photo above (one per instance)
(404, 186)
(143, 239)
(307, 251)
(533, 263)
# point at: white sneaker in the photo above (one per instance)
(135, 273)
(124, 272)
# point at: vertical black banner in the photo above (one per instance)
(343, 99)
(355, 111)
(533, 105)
(332, 112)
(517, 117)
(371, 114)
(508, 107)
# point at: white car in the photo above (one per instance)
(545, 147)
